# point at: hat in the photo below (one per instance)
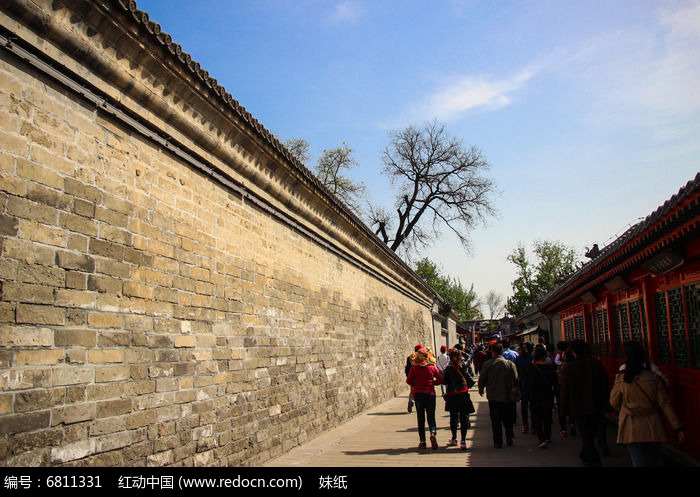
(492, 342)
(443, 348)
(417, 347)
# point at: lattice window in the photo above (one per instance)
(678, 336)
(599, 332)
(664, 343)
(617, 331)
(636, 321)
(579, 329)
(692, 307)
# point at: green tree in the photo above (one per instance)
(554, 261)
(330, 169)
(464, 303)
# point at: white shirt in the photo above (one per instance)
(442, 362)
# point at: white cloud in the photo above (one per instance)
(453, 98)
(347, 11)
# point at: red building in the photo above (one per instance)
(645, 286)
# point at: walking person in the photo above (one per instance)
(522, 363)
(423, 377)
(409, 364)
(442, 362)
(641, 398)
(457, 401)
(499, 376)
(585, 392)
(564, 357)
(542, 384)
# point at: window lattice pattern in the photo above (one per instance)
(664, 354)
(579, 327)
(692, 306)
(677, 317)
(618, 331)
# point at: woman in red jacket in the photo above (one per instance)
(423, 377)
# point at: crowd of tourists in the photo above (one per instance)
(536, 381)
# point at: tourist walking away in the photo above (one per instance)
(508, 353)
(564, 356)
(585, 392)
(641, 397)
(522, 363)
(480, 357)
(457, 400)
(442, 362)
(423, 377)
(409, 365)
(499, 376)
(542, 384)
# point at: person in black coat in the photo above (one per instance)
(585, 392)
(542, 384)
(457, 382)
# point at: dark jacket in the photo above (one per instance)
(542, 383)
(454, 382)
(585, 388)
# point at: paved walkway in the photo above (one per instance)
(387, 436)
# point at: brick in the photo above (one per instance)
(105, 391)
(106, 249)
(26, 209)
(74, 298)
(78, 262)
(73, 375)
(106, 374)
(73, 451)
(8, 225)
(76, 280)
(14, 144)
(83, 191)
(109, 408)
(40, 174)
(34, 400)
(5, 403)
(99, 320)
(73, 414)
(111, 217)
(78, 224)
(116, 235)
(41, 275)
(40, 314)
(66, 337)
(114, 268)
(24, 336)
(19, 423)
(133, 289)
(25, 292)
(48, 197)
(38, 357)
(98, 356)
(105, 284)
(184, 341)
(28, 252)
(84, 208)
(141, 419)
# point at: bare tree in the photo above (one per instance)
(439, 182)
(495, 303)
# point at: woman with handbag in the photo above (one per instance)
(642, 400)
(457, 401)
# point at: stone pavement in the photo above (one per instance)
(387, 436)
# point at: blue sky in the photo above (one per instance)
(587, 111)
